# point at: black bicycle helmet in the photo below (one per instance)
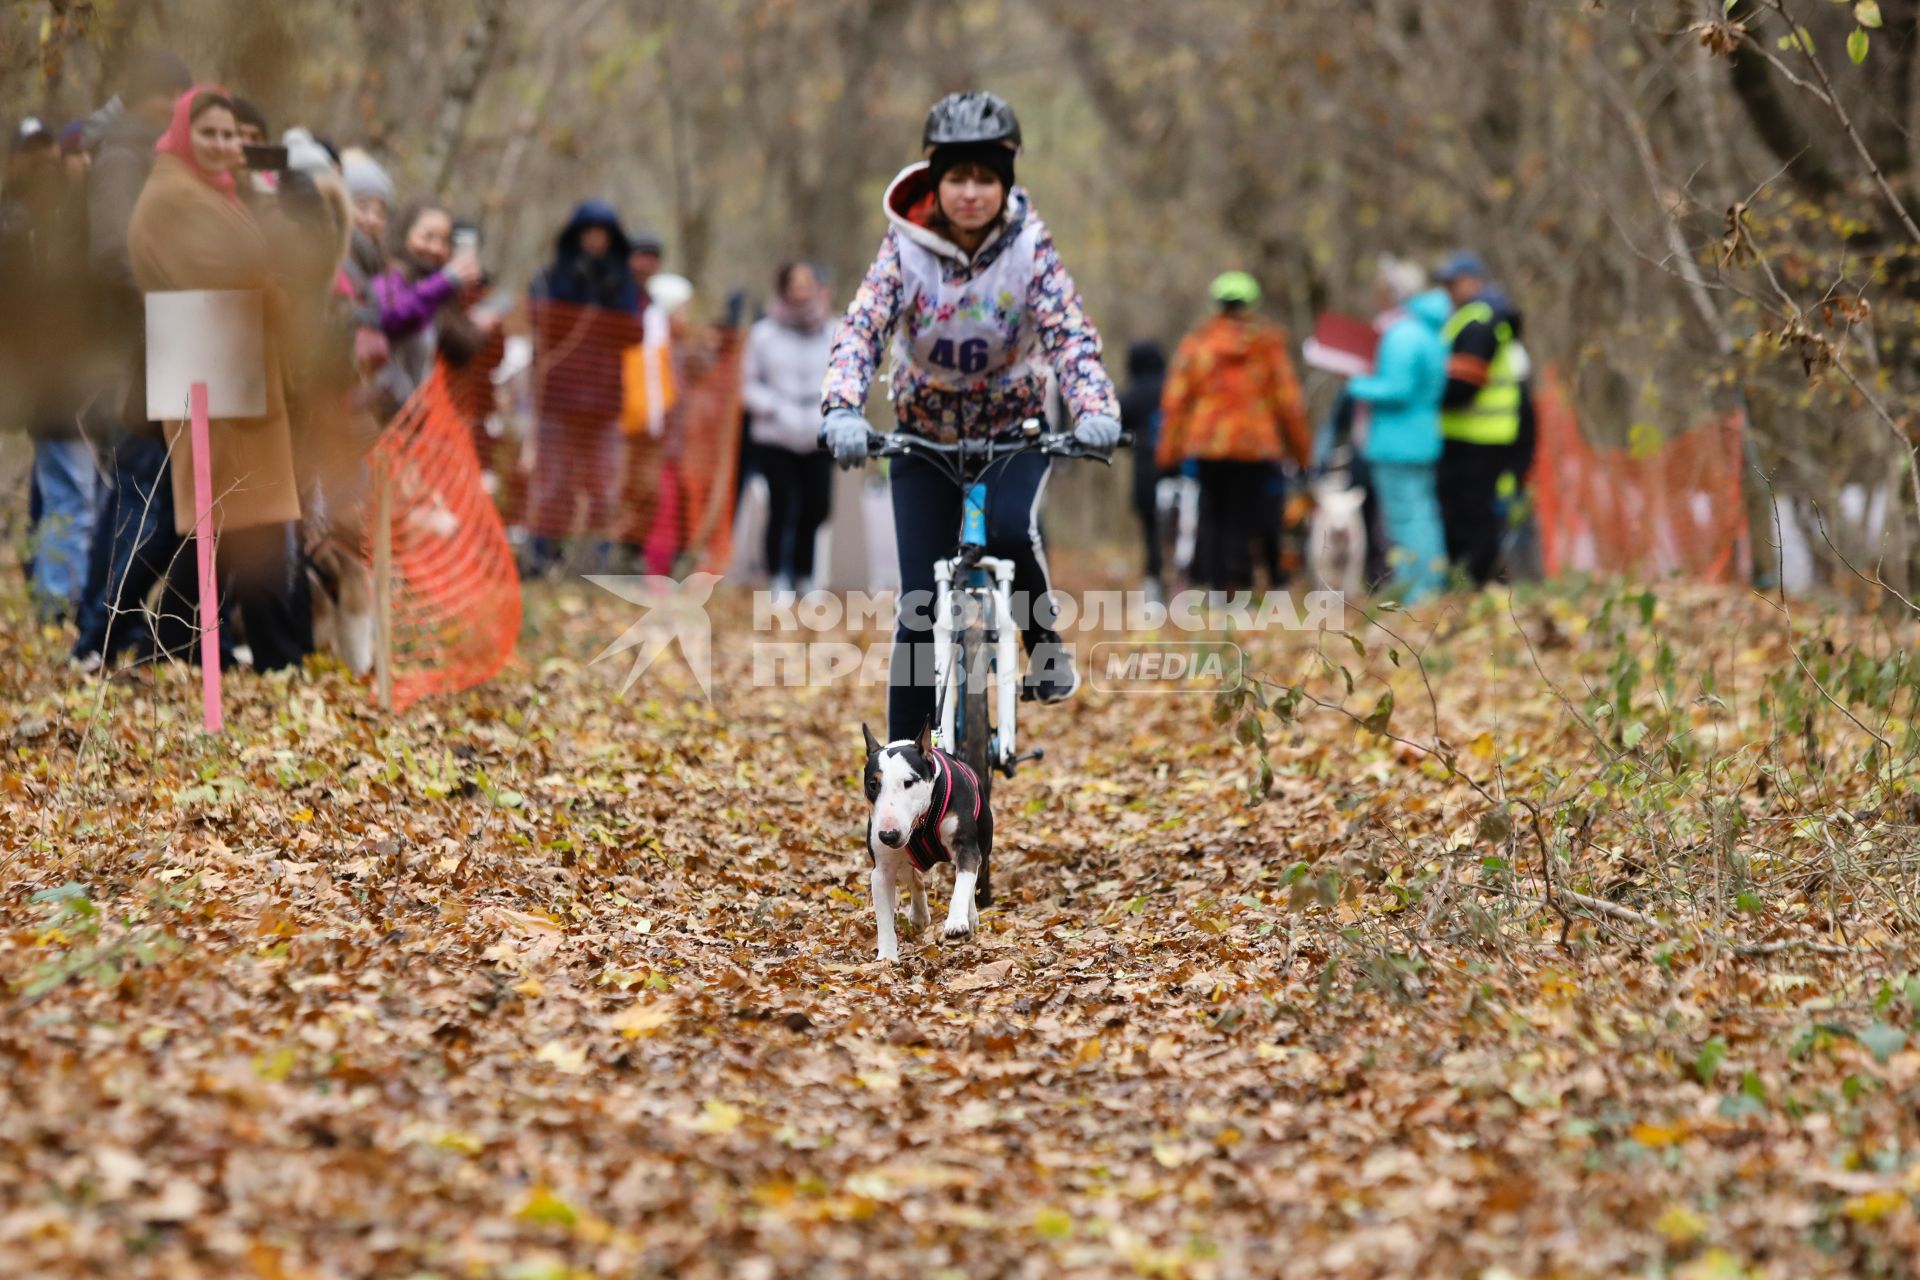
(976, 116)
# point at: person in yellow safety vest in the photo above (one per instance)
(1486, 417)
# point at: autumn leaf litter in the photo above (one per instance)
(540, 981)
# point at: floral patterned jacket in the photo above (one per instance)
(1048, 319)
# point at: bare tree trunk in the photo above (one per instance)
(499, 208)
(115, 43)
(1773, 120)
(1157, 142)
(1911, 122)
(260, 49)
(463, 84)
(66, 26)
(1896, 51)
(829, 204)
(691, 204)
(1708, 112)
(1680, 256)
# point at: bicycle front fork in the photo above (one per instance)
(991, 578)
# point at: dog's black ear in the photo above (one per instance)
(873, 743)
(925, 741)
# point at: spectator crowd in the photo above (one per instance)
(1437, 435)
(175, 185)
(179, 186)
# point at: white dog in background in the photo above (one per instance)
(1176, 503)
(340, 587)
(1337, 536)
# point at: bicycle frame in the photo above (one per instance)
(989, 580)
(972, 574)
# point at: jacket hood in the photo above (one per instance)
(592, 213)
(177, 142)
(1432, 308)
(578, 280)
(909, 204)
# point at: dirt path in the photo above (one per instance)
(541, 982)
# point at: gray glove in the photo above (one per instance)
(1097, 431)
(845, 433)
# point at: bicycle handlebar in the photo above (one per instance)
(1059, 444)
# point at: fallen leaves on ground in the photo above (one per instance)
(542, 981)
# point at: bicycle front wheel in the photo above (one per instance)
(975, 733)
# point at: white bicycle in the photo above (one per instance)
(976, 641)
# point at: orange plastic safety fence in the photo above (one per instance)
(636, 439)
(1670, 506)
(678, 490)
(455, 591)
(471, 388)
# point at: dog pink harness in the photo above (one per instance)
(925, 847)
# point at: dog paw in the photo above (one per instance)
(957, 932)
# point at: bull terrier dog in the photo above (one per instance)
(928, 808)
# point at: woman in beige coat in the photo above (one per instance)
(191, 232)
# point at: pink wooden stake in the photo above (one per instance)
(203, 544)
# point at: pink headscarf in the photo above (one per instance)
(177, 141)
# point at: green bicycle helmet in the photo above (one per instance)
(1236, 287)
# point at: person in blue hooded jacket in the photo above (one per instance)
(1402, 448)
(585, 311)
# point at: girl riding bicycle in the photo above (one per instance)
(969, 277)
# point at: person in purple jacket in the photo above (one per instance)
(419, 295)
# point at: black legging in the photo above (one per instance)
(1469, 488)
(1234, 513)
(260, 571)
(133, 546)
(1146, 509)
(799, 499)
(926, 525)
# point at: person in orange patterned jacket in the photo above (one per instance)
(1231, 412)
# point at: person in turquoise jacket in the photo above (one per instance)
(1402, 448)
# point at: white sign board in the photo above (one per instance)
(211, 336)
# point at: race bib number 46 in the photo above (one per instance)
(969, 357)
